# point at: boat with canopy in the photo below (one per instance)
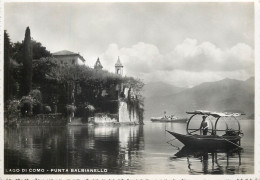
(230, 138)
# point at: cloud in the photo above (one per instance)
(137, 59)
(192, 56)
(189, 63)
(148, 37)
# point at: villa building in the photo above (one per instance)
(68, 57)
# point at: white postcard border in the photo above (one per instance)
(255, 176)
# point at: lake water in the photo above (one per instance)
(121, 150)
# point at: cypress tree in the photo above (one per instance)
(7, 54)
(27, 63)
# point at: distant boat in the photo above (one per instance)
(230, 138)
(171, 118)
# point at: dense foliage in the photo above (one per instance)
(7, 49)
(79, 85)
(38, 51)
(14, 59)
(42, 84)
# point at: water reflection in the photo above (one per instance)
(113, 147)
(218, 161)
(122, 150)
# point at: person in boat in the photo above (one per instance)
(204, 125)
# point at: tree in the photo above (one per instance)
(7, 48)
(17, 52)
(27, 63)
(39, 51)
(10, 67)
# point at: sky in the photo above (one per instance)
(183, 44)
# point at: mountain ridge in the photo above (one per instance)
(216, 96)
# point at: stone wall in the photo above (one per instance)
(127, 109)
(42, 120)
(103, 118)
(125, 115)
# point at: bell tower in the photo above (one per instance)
(98, 65)
(119, 67)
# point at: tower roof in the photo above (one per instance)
(67, 53)
(98, 64)
(118, 63)
(64, 53)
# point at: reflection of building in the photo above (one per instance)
(104, 131)
(68, 57)
(119, 67)
(122, 142)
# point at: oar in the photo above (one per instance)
(231, 142)
(194, 130)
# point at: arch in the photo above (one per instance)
(215, 128)
(187, 127)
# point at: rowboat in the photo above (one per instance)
(169, 119)
(231, 138)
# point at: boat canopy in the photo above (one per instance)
(215, 114)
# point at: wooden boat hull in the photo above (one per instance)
(181, 120)
(211, 141)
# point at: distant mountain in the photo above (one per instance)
(160, 89)
(216, 96)
(156, 91)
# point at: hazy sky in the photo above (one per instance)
(183, 44)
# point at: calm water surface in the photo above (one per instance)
(122, 150)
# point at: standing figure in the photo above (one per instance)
(204, 125)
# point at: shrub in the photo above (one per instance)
(13, 108)
(26, 105)
(36, 94)
(70, 109)
(90, 108)
(47, 109)
(31, 105)
(37, 107)
(88, 112)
